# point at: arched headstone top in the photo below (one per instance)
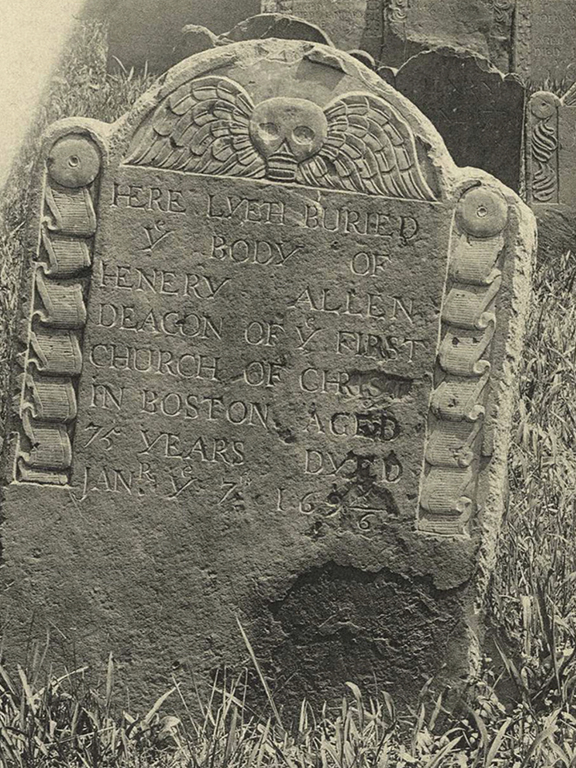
(362, 119)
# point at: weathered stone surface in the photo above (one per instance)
(394, 30)
(193, 40)
(352, 24)
(545, 44)
(267, 368)
(148, 32)
(482, 26)
(277, 25)
(478, 111)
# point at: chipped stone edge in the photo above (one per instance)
(522, 242)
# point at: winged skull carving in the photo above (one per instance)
(210, 125)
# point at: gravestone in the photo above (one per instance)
(267, 361)
(394, 30)
(350, 25)
(478, 111)
(276, 25)
(545, 43)
(147, 33)
(551, 168)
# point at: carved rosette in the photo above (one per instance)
(456, 435)
(48, 403)
(543, 150)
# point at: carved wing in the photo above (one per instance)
(369, 148)
(202, 127)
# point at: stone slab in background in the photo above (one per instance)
(394, 30)
(482, 26)
(551, 169)
(147, 32)
(350, 25)
(265, 368)
(478, 110)
(276, 25)
(545, 41)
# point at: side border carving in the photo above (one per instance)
(60, 284)
(522, 40)
(457, 436)
(503, 11)
(397, 11)
(543, 147)
(501, 41)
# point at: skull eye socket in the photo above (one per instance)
(303, 134)
(269, 130)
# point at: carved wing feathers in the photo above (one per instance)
(369, 148)
(202, 127)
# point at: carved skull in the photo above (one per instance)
(286, 132)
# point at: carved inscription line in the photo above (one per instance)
(456, 431)
(48, 406)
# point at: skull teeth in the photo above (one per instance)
(282, 166)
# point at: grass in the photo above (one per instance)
(524, 711)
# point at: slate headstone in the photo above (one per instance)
(276, 25)
(478, 110)
(147, 33)
(352, 24)
(545, 41)
(266, 370)
(394, 30)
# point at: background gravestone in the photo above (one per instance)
(478, 111)
(267, 369)
(394, 30)
(545, 43)
(350, 25)
(276, 25)
(551, 169)
(146, 32)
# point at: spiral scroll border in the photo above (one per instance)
(53, 362)
(457, 434)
